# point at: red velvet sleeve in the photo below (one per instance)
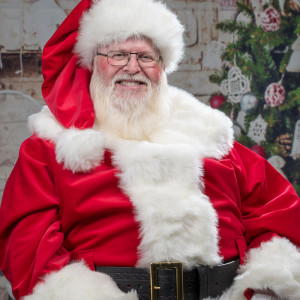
(270, 206)
(30, 237)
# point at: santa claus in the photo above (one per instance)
(130, 188)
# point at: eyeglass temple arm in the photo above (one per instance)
(102, 54)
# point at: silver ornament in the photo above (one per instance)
(248, 102)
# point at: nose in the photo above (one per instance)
(133, 66)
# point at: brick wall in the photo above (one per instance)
(25, 25)
(201, 36)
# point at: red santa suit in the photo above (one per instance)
(188, 194)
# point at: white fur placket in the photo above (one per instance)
(177, 221)
(163, 179)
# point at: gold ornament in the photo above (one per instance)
(284, 142)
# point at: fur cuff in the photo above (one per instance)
(76, 282)
(275, 266)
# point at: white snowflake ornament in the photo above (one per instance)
(257, 130)
(236, 85)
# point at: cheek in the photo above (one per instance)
(154, 74)
(105, 71)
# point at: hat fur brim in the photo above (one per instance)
(110, 21)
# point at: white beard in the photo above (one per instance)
(130, 116)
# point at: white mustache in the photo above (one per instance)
(126, 77)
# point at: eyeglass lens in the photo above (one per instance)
(121, 58)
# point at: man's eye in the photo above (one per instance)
(146, 58)
(119, 56)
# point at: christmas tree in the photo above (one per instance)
(260, 81)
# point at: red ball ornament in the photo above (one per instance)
(270, 19)
(217, 100)
(275, 94)
(259, 150)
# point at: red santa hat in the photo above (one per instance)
(68, 55)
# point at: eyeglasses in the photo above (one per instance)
(122, 58)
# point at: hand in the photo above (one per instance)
(264, 295)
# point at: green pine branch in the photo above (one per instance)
(292, 101)
(246, 9)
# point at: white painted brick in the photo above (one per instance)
(188, 18)
(16, 108)
(28, 85)
(67, 5)
(212, 55)
(207, 20)
(47, 17)
(192, 60)
(28, 24)
(11, 28)
(31, 41)
(194, 82)
(14, 112)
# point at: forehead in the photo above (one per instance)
(132, 45)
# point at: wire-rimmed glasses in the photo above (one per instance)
(122, 58)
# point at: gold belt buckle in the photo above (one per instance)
(154, 267)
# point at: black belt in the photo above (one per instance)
(164, 280)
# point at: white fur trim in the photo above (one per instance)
(80, 150)
(111, 20)
(77, 282)
(195, 123)
(44, 125)
(274, 265)
(177, 220)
